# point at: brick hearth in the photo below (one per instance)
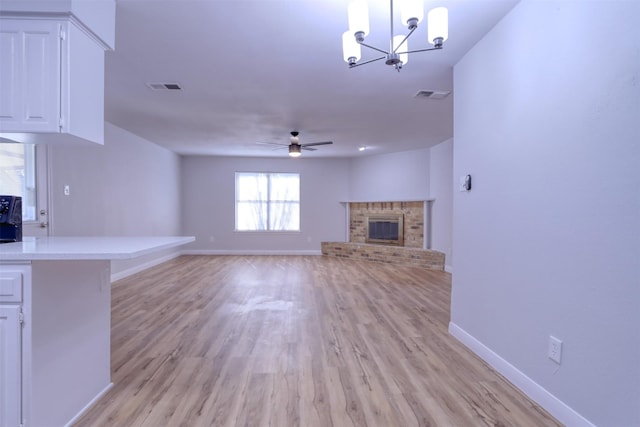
(424, 258)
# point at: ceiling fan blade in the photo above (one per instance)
(307, 148)
(272, 143)
(317, 143)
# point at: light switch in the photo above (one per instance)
(67, 190)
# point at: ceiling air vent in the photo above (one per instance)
(432, 94)
(164, 86)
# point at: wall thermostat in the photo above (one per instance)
(465, 183)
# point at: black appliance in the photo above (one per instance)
(10, 219)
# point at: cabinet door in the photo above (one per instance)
(30, 75)
(10, 366)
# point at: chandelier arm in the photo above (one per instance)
(403, 40)
(422, 50)
(374, 48)
(367, 62)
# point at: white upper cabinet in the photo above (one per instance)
(51, 79)
(30, 75)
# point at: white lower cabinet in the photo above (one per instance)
(54, 340)
(10, 348)
(10, 366)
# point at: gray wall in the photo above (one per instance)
(384, 177)
(208, 197)
(548, 240)
(127, 187)
(441, 187)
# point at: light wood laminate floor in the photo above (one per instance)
(295, 341)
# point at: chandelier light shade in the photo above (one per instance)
(358, 14)
(399, 47)
(397, 55)
(438, 25)
(411, 12)
(350, 48)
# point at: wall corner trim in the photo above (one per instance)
(537, 393)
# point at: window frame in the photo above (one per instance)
(268, 203)
(38, 164)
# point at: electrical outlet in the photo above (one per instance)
(555, 349)
(67, 190)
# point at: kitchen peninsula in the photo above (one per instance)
(55, 313)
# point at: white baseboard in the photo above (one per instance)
(249, 252)
(88, 405)
(537, 393)
(141, 267)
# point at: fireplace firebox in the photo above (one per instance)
(385, 229)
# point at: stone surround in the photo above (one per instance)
(413, 213)
(416, 257)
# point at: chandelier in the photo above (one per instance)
(412, 13)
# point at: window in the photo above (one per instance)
(267, 201)
(18, 176)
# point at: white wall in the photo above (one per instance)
(127, 187)
(546, 121)
(441, 190)
(208, 197)
(386, 177)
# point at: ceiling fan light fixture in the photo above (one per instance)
(295, 150)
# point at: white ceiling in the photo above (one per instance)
(252, 71)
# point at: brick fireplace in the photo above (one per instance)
(413, 250)
(412, 214)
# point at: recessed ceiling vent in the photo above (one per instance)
(432, 94)
(164, 86)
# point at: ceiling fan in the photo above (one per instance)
(295, 148)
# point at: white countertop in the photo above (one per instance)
(87, 248)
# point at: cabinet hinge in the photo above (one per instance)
(63, 34)
(21, 318)
(61, 123)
